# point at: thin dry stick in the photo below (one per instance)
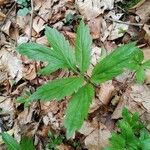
(127, 23)
(31, 20)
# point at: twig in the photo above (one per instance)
(127, 23)
(31, 20)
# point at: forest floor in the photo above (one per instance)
(111, 23)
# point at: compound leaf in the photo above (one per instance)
(146, 64)
(114, 64)
(41, 53)
(57, 89)
(140, 75)
(62, 49)
(10, 142)
(27, 144)
(83, 47)
(51, 67)
(77, 109)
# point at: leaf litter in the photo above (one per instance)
(40, 118)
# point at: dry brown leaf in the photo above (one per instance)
(22, 21)
(42, 40)
(92, 8)
(6, 104)
(106, 92)
(136, 99)
(12, 64)
(95, 27)
(29, 72)
(141, 95)
(95, 139)
(96, 54)
(144, 11)
(64, 147)
(45, 12)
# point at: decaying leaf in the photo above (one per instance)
(144, 11)
(45, 12)
(92, 8)
(94, 132)
(12, 64)
(141, 95)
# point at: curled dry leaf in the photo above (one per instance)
(92, 8)
(95, 27)
(29, 72)
(106, 92)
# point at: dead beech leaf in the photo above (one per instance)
(44, 12)
(96, 54)
(6, 104)
(29, 72)
(42, 40)
(141, 94)
(106, 92)
(92, 8)
(144, 11)
(22, 21)
(12, 64)
(95, 27)
(95, 139)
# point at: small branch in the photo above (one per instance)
(127, 23)
(31, 20)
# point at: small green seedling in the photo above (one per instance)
(25, 7)
(132, 134)
(26, 143)
(54, 141)
(79, 87)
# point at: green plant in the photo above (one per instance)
(55, 140)
(25, 7)
(127, 4)
(132, 134)
(80, 87)
(11, 144)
